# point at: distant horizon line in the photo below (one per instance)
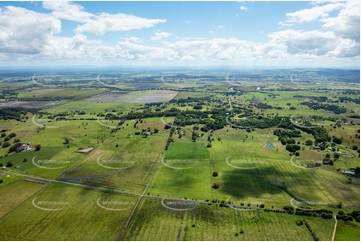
(178, 67)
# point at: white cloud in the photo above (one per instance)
(25, 31)
(160, 35)
(243, 8)
(312, 14)
(98, 23)
(116, 22)
(346, 23)
(27, 35)
(220, 26)
(187, 21)
(68, 10)
(211, 32)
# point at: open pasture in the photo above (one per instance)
(63, 212)
(153, 221)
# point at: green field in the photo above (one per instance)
(209, 222)
(187, 151)
(347, 231)
(69, 208)
(139, 175)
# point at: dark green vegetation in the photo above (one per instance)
(143, 155)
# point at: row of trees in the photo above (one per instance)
(329, 107)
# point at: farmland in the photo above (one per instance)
(188, 155)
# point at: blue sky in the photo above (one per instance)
(257, 33)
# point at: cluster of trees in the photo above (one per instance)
(285, 136)
(329, 107)
(191, 99)
(292, 148)
(350, 216)
(349, 99)
(324, 213)
(319, 133)
(16, 113)
(215, 122)
(260, 122)
(315, 98)
(168, 113)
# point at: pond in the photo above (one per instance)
(269, 145)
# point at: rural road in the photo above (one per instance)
(334, 229)
(230, 104)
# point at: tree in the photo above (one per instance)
(156, 130)
(25, 160)
(37, 147)
(9, 164)
(309, 142)
(6, 144)
(297, 153)
(12, 135)
(215, 185)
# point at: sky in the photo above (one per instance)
(180, 33)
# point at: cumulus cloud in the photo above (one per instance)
(243, 8)
(25, 31)
(346, 23)
(160, 35)
(68, 10)
(116, 22)
(28, 35)
(340, 37)
(98, 23)
(312, 14)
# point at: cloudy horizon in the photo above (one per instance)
(270, 34)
